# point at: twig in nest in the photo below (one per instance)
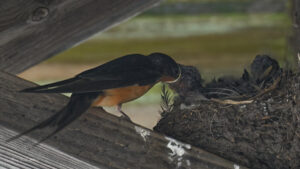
(298, 60)
(166, 104)
(225, 89)
(217, 93)
(266, 118)
(231, 101)
(274, 85)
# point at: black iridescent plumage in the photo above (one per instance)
(85, 87)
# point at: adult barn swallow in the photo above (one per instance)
(111, 84)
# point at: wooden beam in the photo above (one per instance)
(98, 137)
(295, 37)
(17, 155)
(34, 30)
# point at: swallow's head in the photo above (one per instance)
(167, 66)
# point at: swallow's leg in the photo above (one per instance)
(125, 116)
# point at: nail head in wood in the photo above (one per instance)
(40, 14)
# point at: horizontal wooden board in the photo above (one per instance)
(34, 30)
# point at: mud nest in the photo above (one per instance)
(253, 120)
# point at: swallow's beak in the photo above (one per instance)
(179, 76)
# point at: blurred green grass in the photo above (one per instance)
(242, 37)
(230, 45)
(214, 53)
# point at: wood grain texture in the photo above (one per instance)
(98, 138)
(294, 39)
(18, 155)
(34, 30)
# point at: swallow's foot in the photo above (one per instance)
(125, 117)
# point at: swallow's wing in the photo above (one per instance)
(125, 71)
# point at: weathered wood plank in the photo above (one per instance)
(295, 37)
(34, 30)
(17, 154)
(98, 137)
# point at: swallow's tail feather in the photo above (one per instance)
(43, 88)
(77, 105)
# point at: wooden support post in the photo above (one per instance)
(34, 30)
(295, 38)
(98, 138)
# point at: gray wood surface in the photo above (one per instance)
(295, 37)
(99, 138)
(34, 30)
(20, 154)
